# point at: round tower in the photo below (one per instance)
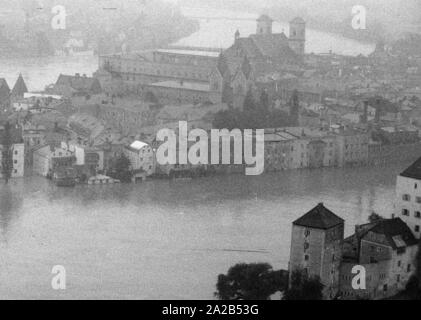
(264, 25)
(297, 35)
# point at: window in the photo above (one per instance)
(406, 197)
(16, 152)
(417, 228)
(399, 263)
(398, 278)
(307, 232)
(385, 288)
(416, 186)
(417, 214)
(408, 268)
(306, 257)
(405, 212)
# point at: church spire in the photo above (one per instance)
(20, 87)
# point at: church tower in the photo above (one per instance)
(297, 35)
(316, 247)
(264, 25)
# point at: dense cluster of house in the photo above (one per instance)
(385, 248)
(352, 110)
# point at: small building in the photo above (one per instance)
(48, 159)
(141, 156)
(92, 158)
(17, 150)
(77, 85)
(386, 249)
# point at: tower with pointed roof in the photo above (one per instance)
(316, 247)
(297, 35)
(20, 88)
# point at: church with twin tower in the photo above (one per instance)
(297, 32)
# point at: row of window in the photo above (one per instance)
(407, 197)
(406, 212)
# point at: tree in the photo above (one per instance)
(303, 287)
(249, 103)
(122, 169)
(374, 217)
(256, 281)
(264, 101)
(7, 157)
(294, 108)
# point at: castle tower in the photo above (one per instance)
(297, 35)
(264, 25)
(316, 247)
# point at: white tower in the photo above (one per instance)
(297, 35)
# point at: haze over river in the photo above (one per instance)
(216, 33)
(167, 239)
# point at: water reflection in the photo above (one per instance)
(10, 203)
(169, 239)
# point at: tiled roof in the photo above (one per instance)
(4, 88)
(319, 218)
(78, 82)
(274, 45)
(396, 231)
(413, 171)
(20, 87)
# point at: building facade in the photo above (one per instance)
(408, 197)
(47, 159)
(142, 157)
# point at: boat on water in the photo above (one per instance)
(65, 177)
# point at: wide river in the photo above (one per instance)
(167, 239)
(162, 239)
